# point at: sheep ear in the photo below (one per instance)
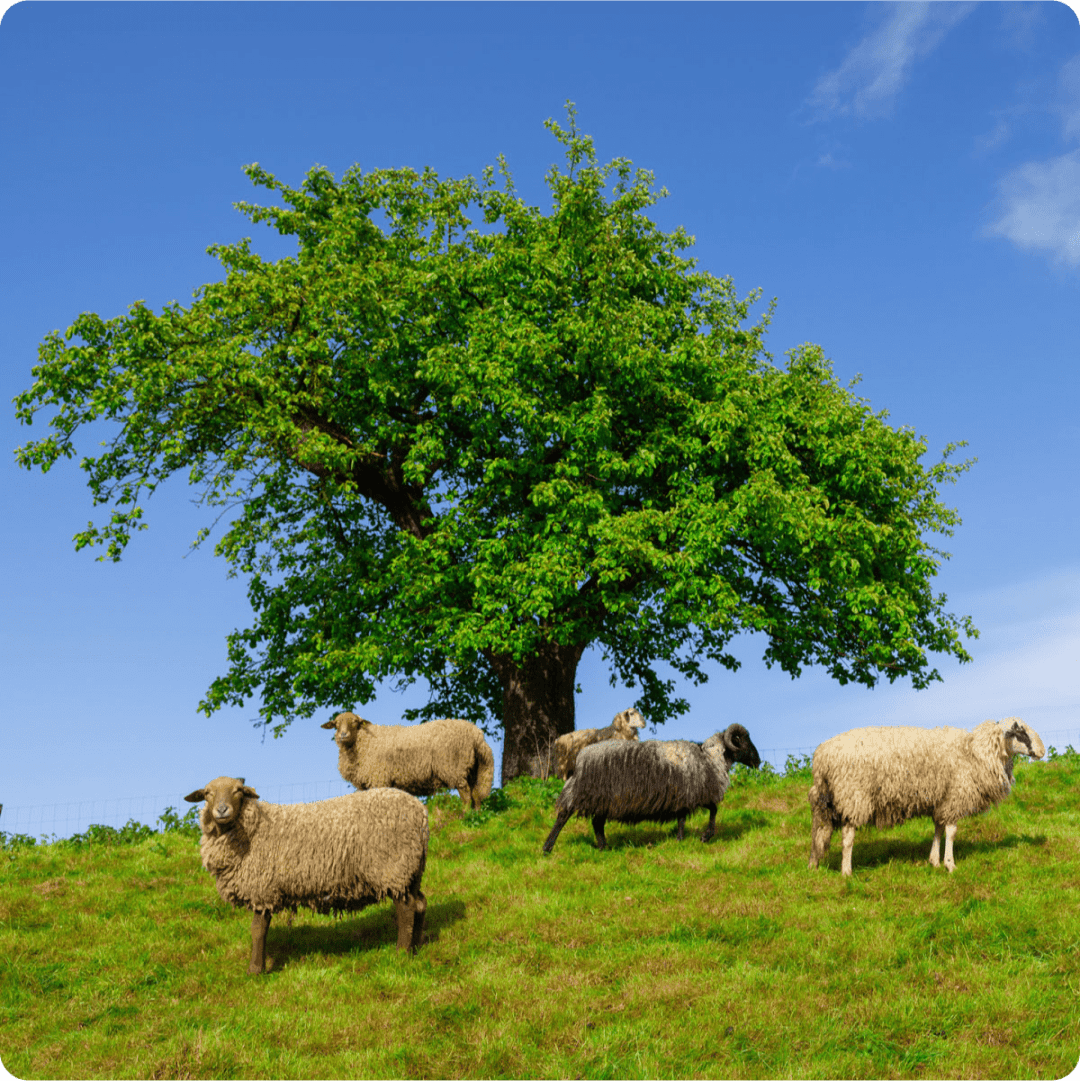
(196, 796)
(329, 724)
(249, 792)
(363, 723)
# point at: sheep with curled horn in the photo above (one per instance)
(624, 726)
(421, 759)
(886, 775)
(652, 781)
(335, 855)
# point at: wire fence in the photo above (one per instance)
(64, 819)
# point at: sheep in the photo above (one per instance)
(653, 780)
(888, 775)
(420, 759)
(335, 855)
(624, 726)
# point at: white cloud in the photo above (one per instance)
(827, 161)
(1040, 207)
(1025, 665)
(1001, 134)
(876, 69)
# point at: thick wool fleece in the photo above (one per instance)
(650, 781)
(335, 855)
(420, 759)
(890, 774)
(567, 747)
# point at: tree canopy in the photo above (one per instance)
(461, 439)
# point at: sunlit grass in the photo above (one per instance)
(653, 958)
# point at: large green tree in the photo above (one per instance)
(463, 449)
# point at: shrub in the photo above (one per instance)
(127, 834)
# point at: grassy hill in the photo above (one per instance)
(652, 959)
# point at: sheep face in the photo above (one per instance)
(1021, 739)
(732, 745)
(629, 720)
(224, 798)
(347, 727)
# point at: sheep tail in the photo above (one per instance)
(485, 771)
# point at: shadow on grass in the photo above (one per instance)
(369, 930)
(649, 835)
(875, 851)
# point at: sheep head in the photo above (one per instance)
(1021, 739)
(735, 745)
(348, 726)
(627, 721)
(224, 798)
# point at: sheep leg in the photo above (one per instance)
(950, 833)
(710, 829)
(410, 920)
(260, 923)
(598, 828)
(821, 832)
(419, 909)
(682, 822)
(465, 792)
(563, 818)
(935, 848)
(849, 841)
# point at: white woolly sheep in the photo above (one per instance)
(420, 759)
(652, 781)
(335, 855)
(890, 774)
(624, 726)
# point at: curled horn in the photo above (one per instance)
(741, 747)
(736, 736)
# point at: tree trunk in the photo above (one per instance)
(538, 707)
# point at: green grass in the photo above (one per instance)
(652, 959)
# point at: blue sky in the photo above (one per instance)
(904, 179)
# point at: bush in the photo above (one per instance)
(171, 822)
(796, 767)
(534, 791)
(10, 842)
(128, 834)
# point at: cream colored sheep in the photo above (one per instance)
(421, 759)
(335, 855)
(624, 726)
(890, 774)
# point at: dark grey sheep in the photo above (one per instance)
(652, 781)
